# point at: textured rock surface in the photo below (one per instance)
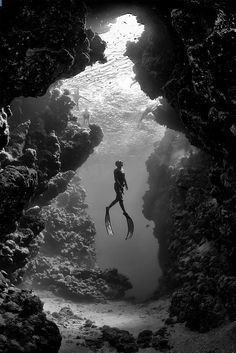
(118, 340)
(17, 185)
(29, 43)
(56, 40)
(122, 340)
(24, 326)
(160, 166)
(61, 144)
(66, 264)
(189, 61)
(195, 232)
(186, 56)
(30, 174)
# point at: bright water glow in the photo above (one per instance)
(116, 104)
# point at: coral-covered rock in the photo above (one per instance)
(195, 232)
(67, 264)
(185, 54)
(17, 248)
(56, 40)
(24, 326)
(17, 185)
(56, 185)
(77, 143)
(122, 340)
(144, 339)
(160, 166)
(52, 141)
(18, 139)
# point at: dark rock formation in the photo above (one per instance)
(52, 142)
(167, 116)
(77, 143)
(144, 339)
(185, 54)
(39, 35)
(122, 340)
(157, 340)
(30, 175)
(36, 50)
(24, 326)
(160, 166)
(56, 185)
(66, 264)
(17, 185)
(195, 232)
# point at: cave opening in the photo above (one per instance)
(186, 55)
(116, 103)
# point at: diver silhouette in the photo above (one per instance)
(120, 184)
(86, 116)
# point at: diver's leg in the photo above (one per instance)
(112, 204)
(122, 206)
(121, 202)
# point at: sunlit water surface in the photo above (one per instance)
(116, 105)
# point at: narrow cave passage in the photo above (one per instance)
(116, 103)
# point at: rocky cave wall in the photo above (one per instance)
(195, 234)
(185, 54)
(33, 172)
(34, 149)
(66, 264)
(193, 204)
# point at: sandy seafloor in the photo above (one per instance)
(133, 317)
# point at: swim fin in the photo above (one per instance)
(108, 223)
(130, 225)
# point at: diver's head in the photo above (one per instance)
(119, 164)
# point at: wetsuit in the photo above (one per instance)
(86, 117)
(120, 182)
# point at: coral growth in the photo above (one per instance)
(24, 326)
(37, 50)
(66, 264)
(30, 151)
(185, 55)
(195, 233)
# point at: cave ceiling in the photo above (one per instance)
(184, 54)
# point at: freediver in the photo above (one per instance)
(86, 116)
(120, 183)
